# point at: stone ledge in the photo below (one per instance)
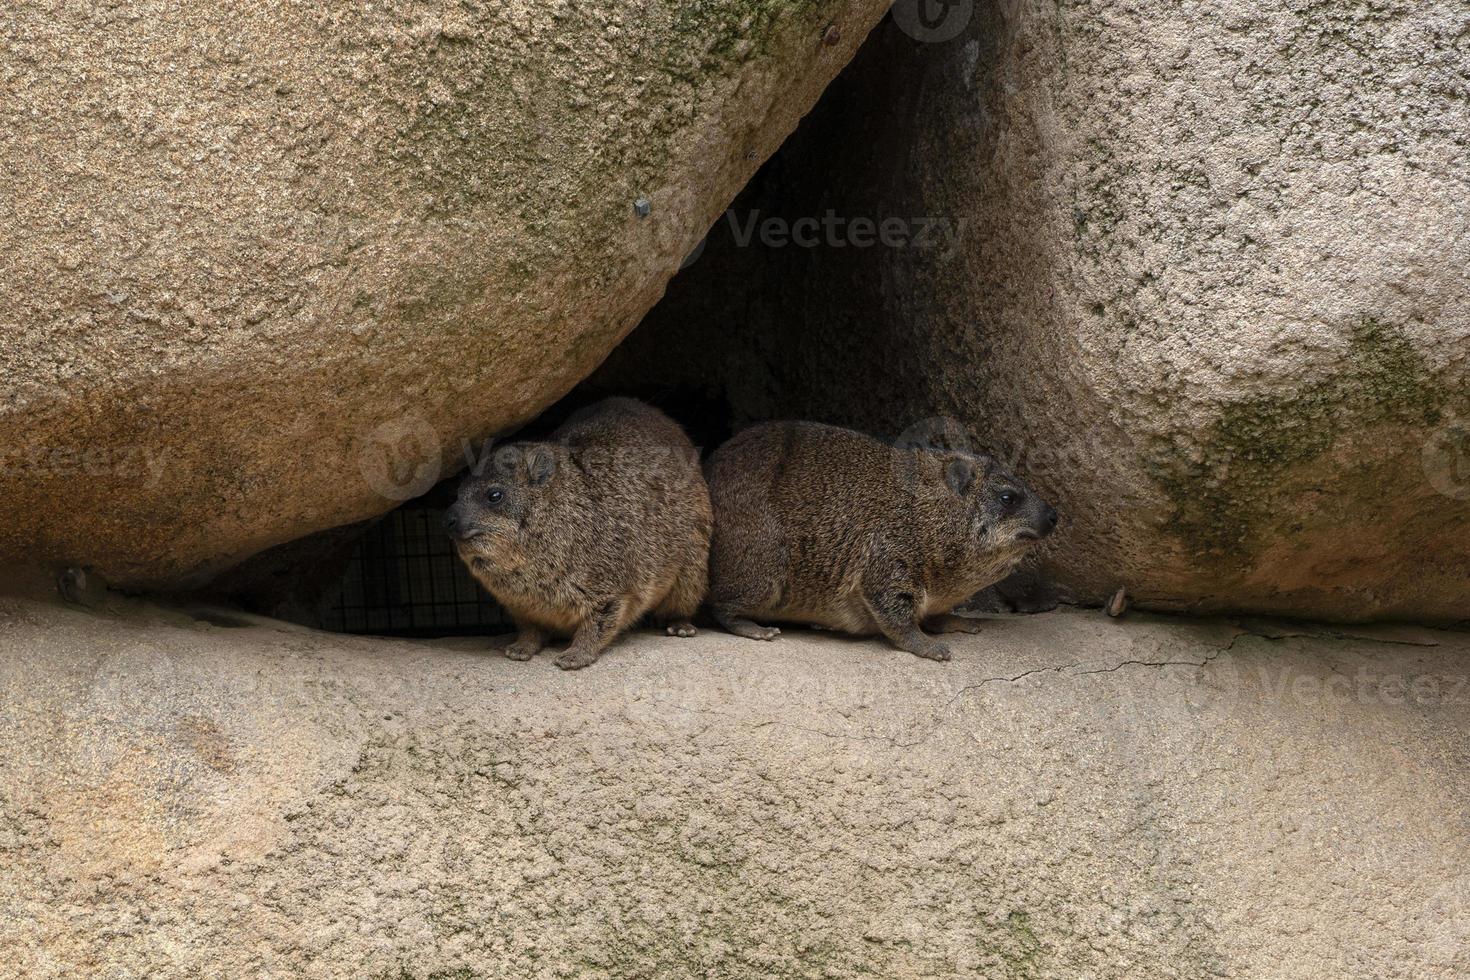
(1072, 796)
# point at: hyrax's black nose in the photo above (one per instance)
(451, 520)
(1049, 518)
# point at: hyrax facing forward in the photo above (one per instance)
(816, 524)
(585, 533)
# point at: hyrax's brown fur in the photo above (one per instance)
(585, 533)
(821, 525)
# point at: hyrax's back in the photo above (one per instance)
(796, 505)
(623, 422)
(647, 501)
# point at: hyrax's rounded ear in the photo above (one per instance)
(960, 475)
(540, 465)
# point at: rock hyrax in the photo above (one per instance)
(587, 532)
(821, 525)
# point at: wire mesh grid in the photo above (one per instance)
(405, 579)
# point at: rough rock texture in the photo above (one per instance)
(264, 265)
(1072, 796)
(1201, 272)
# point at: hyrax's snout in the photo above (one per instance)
(1041, 519)
(455, 524)
(1049, 519)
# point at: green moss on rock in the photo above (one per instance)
(1225, 502)
(544, 130)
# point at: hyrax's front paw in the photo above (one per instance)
(521, 651)
(682, 627)
(933, 650)
(527, 643)
(575, 659)
(749, 629)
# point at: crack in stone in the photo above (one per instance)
(1007, 680)
(1289, 631)
(1157, 663)
(1058, 668)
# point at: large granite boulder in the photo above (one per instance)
(264, 268)
(1201, 272)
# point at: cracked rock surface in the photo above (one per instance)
(1071, 797)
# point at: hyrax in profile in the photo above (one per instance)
(587, 532)
(821, 525)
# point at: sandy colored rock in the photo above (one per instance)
(1201, 274)
(1071, 796)
(264, 267)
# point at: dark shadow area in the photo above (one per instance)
(403, 578)
(798, 303)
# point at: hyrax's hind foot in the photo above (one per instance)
(920, 644)
(749, 629)
(680, 627)
(949, 623)
(924, 646)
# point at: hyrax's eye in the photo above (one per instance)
(495, 495)
(1008, 499)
